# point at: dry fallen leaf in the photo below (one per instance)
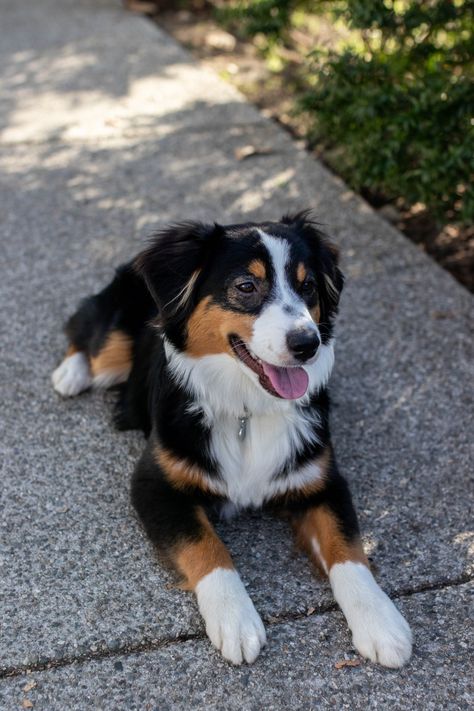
(30, 685)
(248, 151)
(26, 703)
(348, 663)
(310, 611)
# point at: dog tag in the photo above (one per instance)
(242, 431)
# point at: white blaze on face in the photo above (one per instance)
(284, 312)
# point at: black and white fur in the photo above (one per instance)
(185, 329)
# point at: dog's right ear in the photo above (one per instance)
(172, 263)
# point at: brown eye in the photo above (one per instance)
(246, 287)
(307, 287)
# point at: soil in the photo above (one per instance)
(240, 62)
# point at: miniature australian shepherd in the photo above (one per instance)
(221, 340)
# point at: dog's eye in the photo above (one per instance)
(307, 287)
(246, 287)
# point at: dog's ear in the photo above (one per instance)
(172, 263)
(326, 262)
(332, 281)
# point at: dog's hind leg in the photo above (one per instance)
(110, 366)
(73, 375)
(102, 334)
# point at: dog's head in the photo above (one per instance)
(264, 295)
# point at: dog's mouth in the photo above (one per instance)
(287, 383)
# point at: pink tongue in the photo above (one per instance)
(289, 383)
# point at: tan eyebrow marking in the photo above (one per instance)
(257, 268)
(301, 272)
(316, 313)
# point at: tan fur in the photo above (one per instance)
(316, 313)
(320, 523)
(210, 326)
(257, 268)
(114, 357)
(301, 272)
(72, 349)
(321, 463)
(195, 559)
(180, 474)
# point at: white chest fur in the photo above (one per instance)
(249, 469)
(223, 389)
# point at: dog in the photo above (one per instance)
(220, 339)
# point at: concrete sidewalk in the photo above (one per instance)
(108, 130)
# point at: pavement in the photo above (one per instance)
(109, 129)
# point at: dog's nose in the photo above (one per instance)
(303, 343)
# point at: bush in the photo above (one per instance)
(397, 96)
(258, 16)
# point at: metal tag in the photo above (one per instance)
(242, 431)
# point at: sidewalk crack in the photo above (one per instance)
(270, 621)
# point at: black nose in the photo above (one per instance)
(303, 343)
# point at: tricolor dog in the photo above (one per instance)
(221, 338)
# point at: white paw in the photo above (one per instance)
(72, 376)
(379, 632)
(232, 623)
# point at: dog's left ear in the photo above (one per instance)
(172, 264)
(326, 261)
(331, 280)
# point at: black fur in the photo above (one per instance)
(124, 304)
(168, 515)
(143, 301)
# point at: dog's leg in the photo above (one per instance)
(181, 531)
(73, 375)
(102, 335)
(328, 531)
(109, 366)
(232, 623)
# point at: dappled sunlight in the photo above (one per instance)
(347, 196)
(73, 98)
(119, 203)
(370, 544)
(281, 179)
(113, 133)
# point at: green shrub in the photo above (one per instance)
(397, 97)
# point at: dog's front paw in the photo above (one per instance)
(379, 632)
(232, 623)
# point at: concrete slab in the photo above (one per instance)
(297, 670)
(71, 545)
(95, 71)
(113, 131)
(121, 189)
